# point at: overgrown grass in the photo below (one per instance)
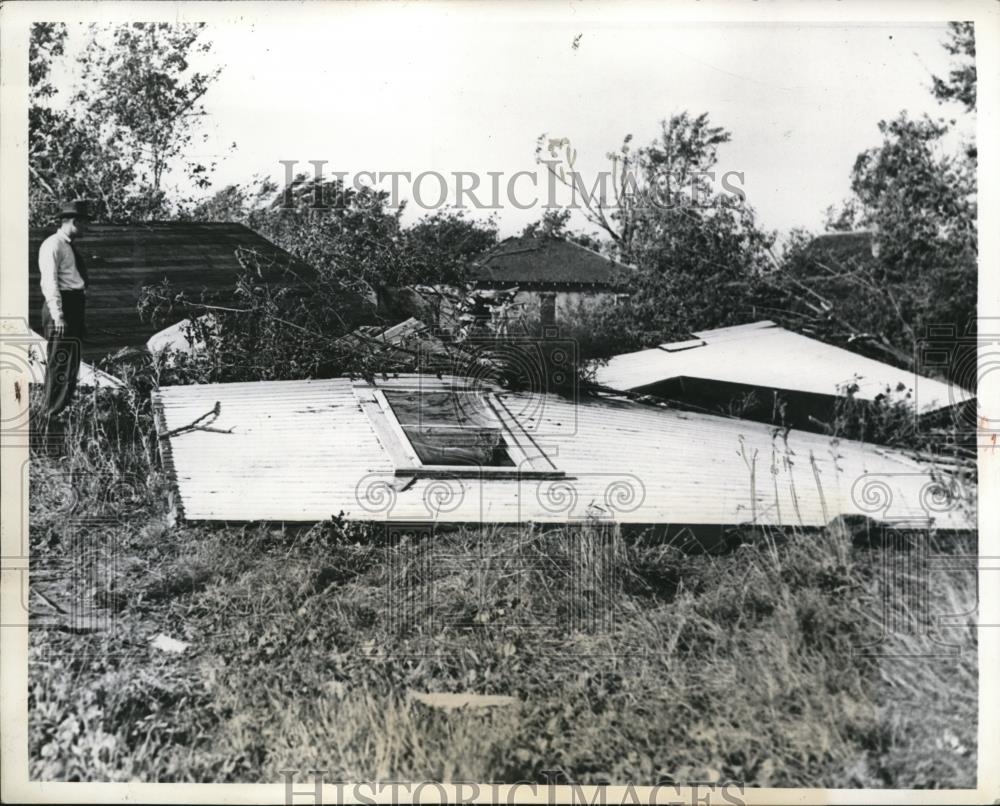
(631, 661)
(303, 645)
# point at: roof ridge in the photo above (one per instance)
(715, 333)
(844, 233)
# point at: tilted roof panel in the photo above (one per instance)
(306, 450)
(764, 355)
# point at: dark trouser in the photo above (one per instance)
(62, 363)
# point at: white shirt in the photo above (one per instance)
(57, 266)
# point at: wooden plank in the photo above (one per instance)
(166, 454)
(479, 472)
(392, 441)
(530, 449)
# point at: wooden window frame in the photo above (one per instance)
(530, 461)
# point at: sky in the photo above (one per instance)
(464, 91)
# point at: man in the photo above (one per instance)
(64, 278)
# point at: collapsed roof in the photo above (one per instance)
(405, 346)
(762, 355)
(417, 448)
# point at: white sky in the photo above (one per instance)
(456, 90)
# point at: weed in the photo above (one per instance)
(631, 660)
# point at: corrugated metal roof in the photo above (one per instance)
(764, 355)
(306, 450)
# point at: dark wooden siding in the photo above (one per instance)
(196, 257)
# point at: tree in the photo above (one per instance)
(698, 253)
(319, 321)
(116, 136)
(920, 203)
(48, 41)
(555, 224)
(674, 170)
(441, 247)
(65, 157)
(268, 326)
(920, 206)
(960, 84)
(346, 234)
(354, 234)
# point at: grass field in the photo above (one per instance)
(653, 666)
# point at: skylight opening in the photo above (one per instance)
(464, 433)
(450, 428)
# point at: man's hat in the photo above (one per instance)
(74, 209)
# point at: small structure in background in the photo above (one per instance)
(767, 361)
(552, 277)
(840, 249)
